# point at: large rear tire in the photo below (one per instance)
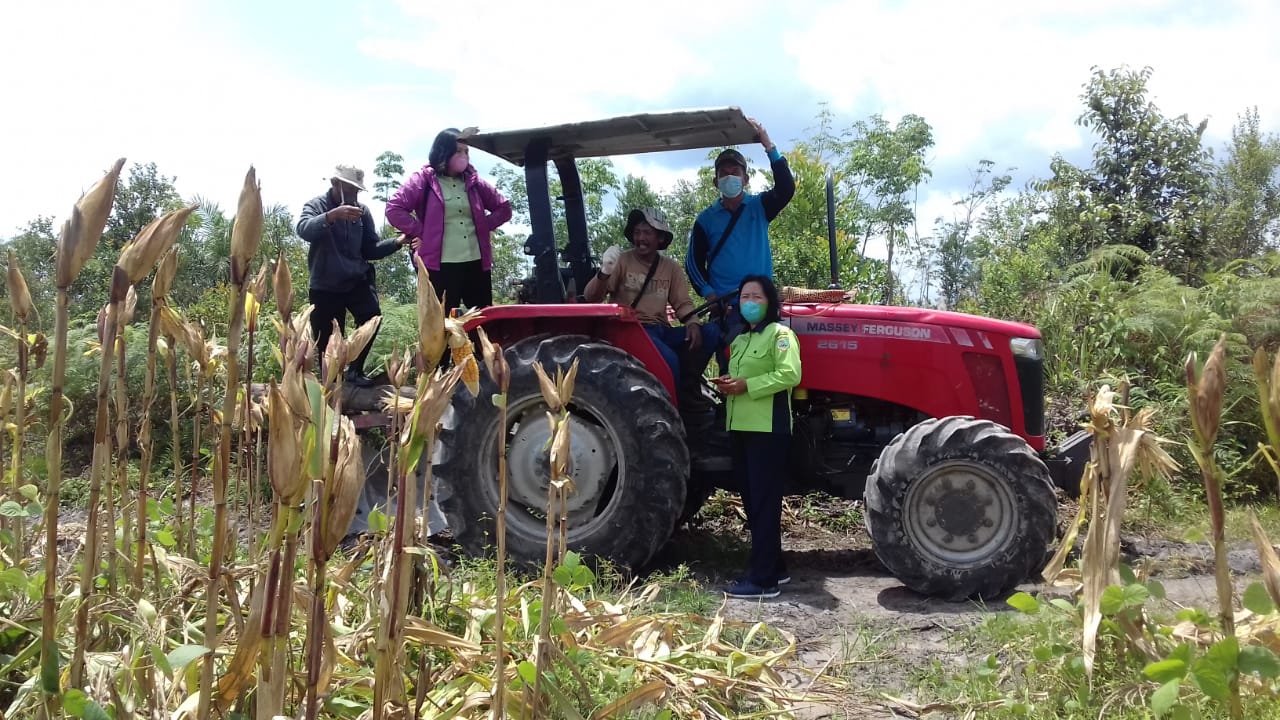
(629, 461)
(960, 508)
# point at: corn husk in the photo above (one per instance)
(549, 392)
(360, 339)
(130, 307)
(333, 353)
(284, 451)
(1206, 392)
(166, 271)
(19, 293)
(83, 229)
(282, 286)
(343, 493)
(431, 327)
(494, 361)
(246, 231)
(140, 255)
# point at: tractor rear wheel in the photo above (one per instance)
(629, 460)
(960, 508)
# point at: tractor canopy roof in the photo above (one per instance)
(623, 135)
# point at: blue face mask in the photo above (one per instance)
(752, 311)
(730, 186)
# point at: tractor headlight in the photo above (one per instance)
(1029, 348)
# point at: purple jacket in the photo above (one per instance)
(414, 213)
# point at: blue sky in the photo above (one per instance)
(204, 89)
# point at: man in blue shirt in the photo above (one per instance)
(730, 239)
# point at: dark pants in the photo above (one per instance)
(670, 342)
(717, 334)
(361, 301)
(465, 282)
(759, 460)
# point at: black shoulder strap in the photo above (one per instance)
(653, 268)
(733, 220)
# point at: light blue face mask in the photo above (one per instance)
(730, 186)
(752, 311)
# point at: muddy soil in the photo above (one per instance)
(856, 623)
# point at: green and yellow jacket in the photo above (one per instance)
(769, 359)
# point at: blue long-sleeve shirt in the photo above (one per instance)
(747, 250)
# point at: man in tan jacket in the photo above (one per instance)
(648, 282)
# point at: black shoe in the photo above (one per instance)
(358, 379)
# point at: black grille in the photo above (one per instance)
(1031, 382)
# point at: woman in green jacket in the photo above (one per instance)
(764, 364)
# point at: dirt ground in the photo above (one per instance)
(853, 621)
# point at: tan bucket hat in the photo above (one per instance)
(656, 220)
(350, 175)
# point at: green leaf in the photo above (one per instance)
(1212, 673)
(161, 662)
(563, 576)
(1180, 712)
(11, 509)
(1260, 661)
(499, 399)
(1163, 699)
(1126, 574)
(166, 538)
(183, 655)
(1024, 603)
(1116, 599)
(30, 492)
(74, 701)
(572, 559)
(528, 672)
(77, 704)
(1257, 600)
(1156, 589)
(1063, 605)
(13, 578)
(1165, 670)
(378, 522)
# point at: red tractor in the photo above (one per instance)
(935, 419)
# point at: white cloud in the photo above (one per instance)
(140, 80)
(979, 71)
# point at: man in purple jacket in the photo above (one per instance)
(343, 240)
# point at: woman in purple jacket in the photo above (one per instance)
(450, 213)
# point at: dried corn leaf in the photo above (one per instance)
(1267, 554)
(549, 391)
(140, 255)
(19, 293)
(423, 632)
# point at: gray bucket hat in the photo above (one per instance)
(655, 219)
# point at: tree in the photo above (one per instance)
(1148, 180)
(598, 179)
(1245, 193)
(886, 163)
(388, 169)
(957, 257)
(635, 193)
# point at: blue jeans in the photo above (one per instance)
(716, 336)
(670, 342)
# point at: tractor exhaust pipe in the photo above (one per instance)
(831, 231)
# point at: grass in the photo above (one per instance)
(997, 667)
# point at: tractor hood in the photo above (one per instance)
(886, 320)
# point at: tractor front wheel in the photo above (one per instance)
(629, 461)
(960, 508)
